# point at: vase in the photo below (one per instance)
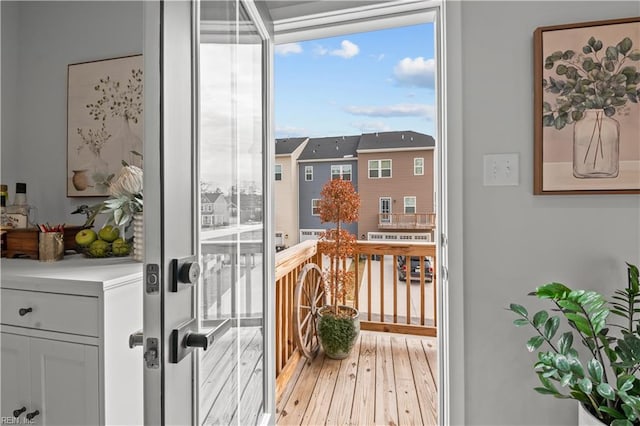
(129, 142)
(80, 180)
(338, 334)
(596, 145)
(585, 418)
(138, 237)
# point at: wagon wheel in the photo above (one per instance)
(308, 298)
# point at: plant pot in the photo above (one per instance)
(596, 146)
(337, 334)
(585, 418)
(138, 237)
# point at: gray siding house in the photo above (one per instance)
(321, 160)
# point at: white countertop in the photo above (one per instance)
(75, 274)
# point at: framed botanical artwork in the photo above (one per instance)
(587, 108)
(104, 122)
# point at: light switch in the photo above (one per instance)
(501, 169)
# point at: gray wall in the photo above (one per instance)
(310, 190)
(513, 241)
(39, 40)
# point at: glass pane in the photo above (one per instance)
(231, 372)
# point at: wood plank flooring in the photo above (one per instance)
(388, 379)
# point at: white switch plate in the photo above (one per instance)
(501, 169)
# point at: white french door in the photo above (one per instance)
(208, 310)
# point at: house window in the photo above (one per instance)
(278, 171)
(418, 166)
(409, 204)
(308, 173)
(315, 207)
(379, 169)
(341, 172)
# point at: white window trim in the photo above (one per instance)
(306, 174)
(275, 169)
(379, 169)
(416, 166)
(312, 207)
(341, 167)
(415, 204)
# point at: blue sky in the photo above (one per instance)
(358, 83)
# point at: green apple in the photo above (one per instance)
(85, 237)
(109, 233)
(99, 248)
(120, 247)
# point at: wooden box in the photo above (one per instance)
(24, 242)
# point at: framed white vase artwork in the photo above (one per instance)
(587, 108)
(104, 122)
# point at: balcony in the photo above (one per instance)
(391, 375)
(413, 221)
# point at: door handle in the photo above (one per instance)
(136, 339)
(185, 338)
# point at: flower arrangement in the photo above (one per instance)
(603, 375)
(126, 197)
(592, 79)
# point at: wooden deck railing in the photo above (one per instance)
(406, 220)
(289, 262)
(385, 303)
(388, 304)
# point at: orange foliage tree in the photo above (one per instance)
(339, 204)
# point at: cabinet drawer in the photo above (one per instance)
(50, 311)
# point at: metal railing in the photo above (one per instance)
(406, 220)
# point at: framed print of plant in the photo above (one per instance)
(104, 122)
(587, 108)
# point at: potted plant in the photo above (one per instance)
(338, 325)
(603, 377)
(589, 89)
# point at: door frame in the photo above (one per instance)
(403, 13)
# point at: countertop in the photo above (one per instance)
(75, 274)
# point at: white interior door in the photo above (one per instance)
(209, 319)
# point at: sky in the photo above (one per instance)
(358, 83)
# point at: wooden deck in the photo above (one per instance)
(388, 379)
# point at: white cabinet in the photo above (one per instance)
(64, 342)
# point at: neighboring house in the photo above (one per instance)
(214, 209)
(396, 187)
(286, 191)
(321, 160)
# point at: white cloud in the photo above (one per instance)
(398, 110)
(418, 72)
(371, 126)
(348, 50)
(288, 49)
(378, 57)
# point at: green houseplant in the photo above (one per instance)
(603, 376)
(588, 89)
(338, 325)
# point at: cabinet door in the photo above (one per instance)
(64, 382)
(14, 356)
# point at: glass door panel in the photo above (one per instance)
(231, 373)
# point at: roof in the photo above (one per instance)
(393, 140)
(288, 145)
(211, 197)
(334, 147)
